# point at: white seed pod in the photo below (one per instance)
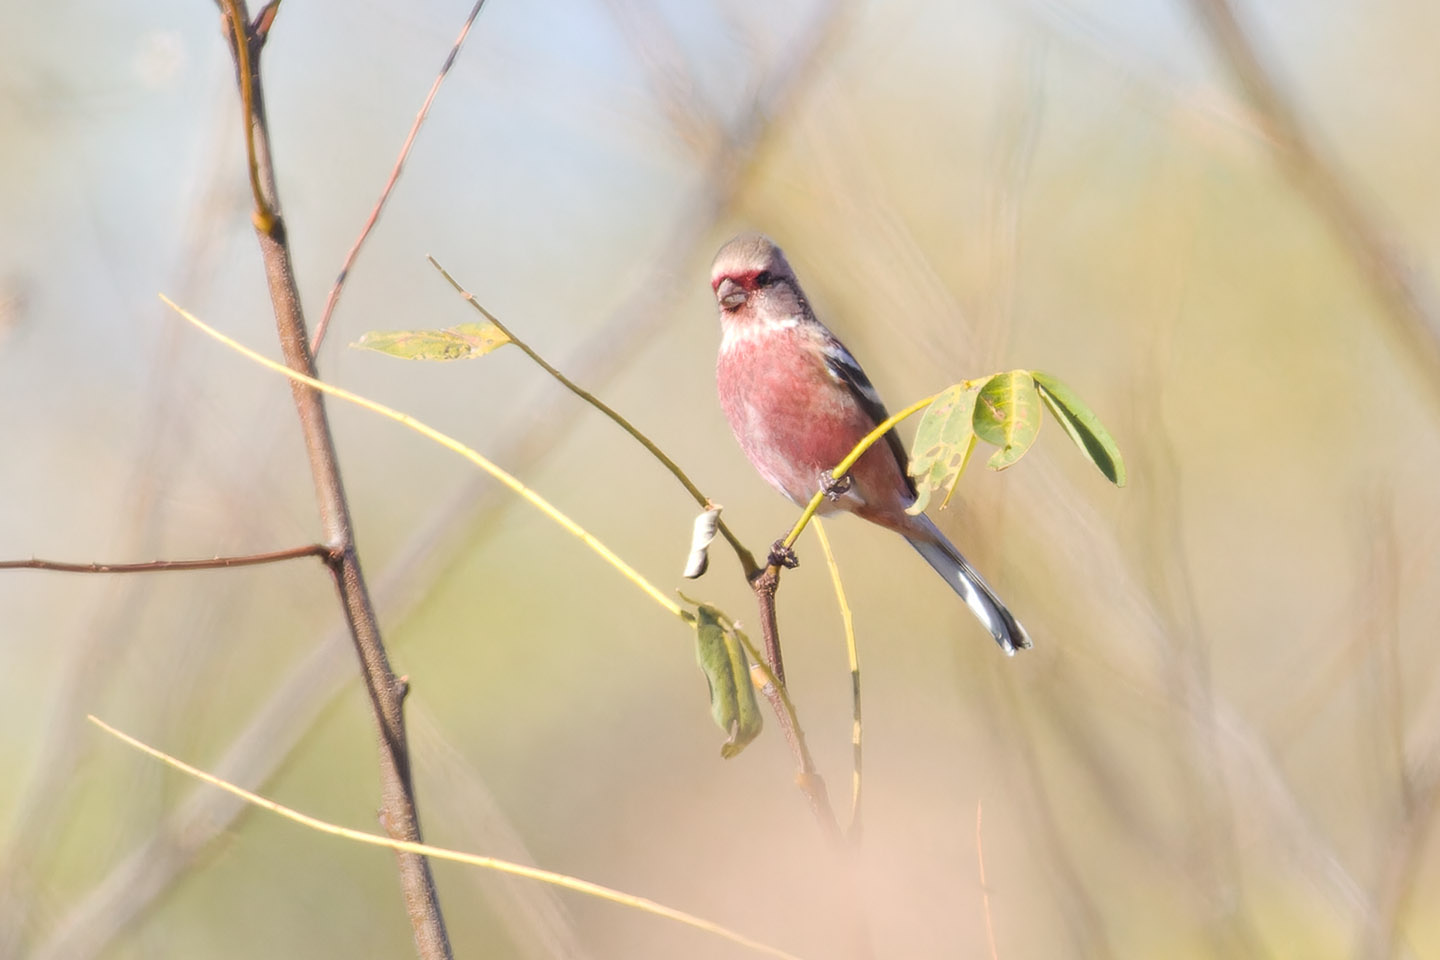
(700, 539)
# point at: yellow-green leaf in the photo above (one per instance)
(1007, 414)
(1083, 427)
(732, 696)
(453, 343)
(943, 442)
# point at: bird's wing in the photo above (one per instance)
(846, 370)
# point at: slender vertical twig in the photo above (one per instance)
(334, 297)
(398, 814)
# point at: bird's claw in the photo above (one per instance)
(834, 488)
(783, 556)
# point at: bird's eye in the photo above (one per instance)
(764, 278)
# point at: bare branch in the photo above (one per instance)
(155, 566)
(398, 815)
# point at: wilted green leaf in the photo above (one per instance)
(1083, 426)
(732, 697)
(943, 442)
(453, 343)
(1007, 414)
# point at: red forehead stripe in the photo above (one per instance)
(745, 279)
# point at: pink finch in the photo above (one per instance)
(798, 402)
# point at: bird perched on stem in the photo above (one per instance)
(798, 403)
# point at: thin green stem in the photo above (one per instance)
(747, 559)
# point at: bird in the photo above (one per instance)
(798, 402)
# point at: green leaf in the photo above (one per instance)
(732, 697)
(1083, 426)
(1007, 414)
(464, 342)
(942, 446)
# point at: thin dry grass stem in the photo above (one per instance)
(1019, 122)
(440, 853)
(984, 884)
(334, 296)
(691, 116)
(1210, 849)
(157, 566)
(853, 832)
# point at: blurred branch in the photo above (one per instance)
(1209, 852)
(1148, 73)
(1078, 907)
(1391, 273)
(693, 120)
(439, 853)
(39, 815)
(747, 559)
(1413, 807)
(334, 296)
(153, 566)
(397, 810)
(1019, 117)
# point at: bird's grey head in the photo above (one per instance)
(748, 268)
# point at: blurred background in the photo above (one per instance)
(1219, 232)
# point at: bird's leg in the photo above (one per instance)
(834, 488)
(782, 556)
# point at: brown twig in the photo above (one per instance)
(155, 566)
(766, 583)
(397, 813)
(370, 221)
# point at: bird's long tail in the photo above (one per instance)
(941, 554)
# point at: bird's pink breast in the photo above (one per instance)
(791, 417)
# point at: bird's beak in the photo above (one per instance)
(730, 294)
